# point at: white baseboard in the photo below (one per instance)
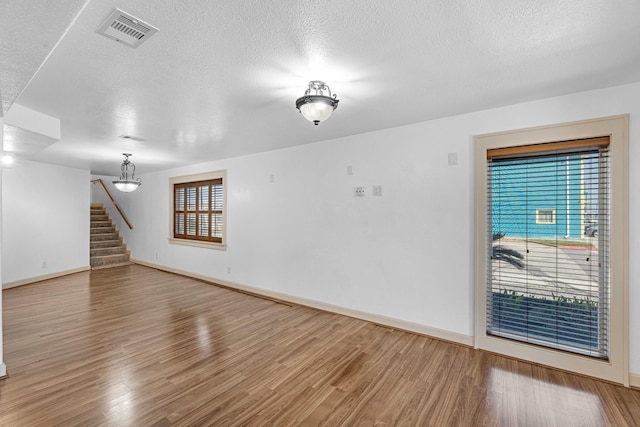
(44, 277)
(634, 380)
(441, 334)
(3, 370)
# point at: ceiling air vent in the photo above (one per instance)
(126, 29)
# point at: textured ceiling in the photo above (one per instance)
(220, 78)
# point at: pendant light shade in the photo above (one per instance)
(317, 103)
(127, 183)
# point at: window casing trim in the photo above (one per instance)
(617, 129)
(206, 176)
(541, 216)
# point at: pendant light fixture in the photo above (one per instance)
(315, 105)
(126, 184)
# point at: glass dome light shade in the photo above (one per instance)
(316, 108)
(127, 186)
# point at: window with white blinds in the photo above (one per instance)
(198, 209)
(548, 215)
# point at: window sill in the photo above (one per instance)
(199, 244)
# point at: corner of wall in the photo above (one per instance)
(634, 381)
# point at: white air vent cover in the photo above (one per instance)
(126, 29)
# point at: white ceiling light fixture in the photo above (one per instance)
(314, 105)
(126, 184)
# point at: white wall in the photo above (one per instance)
(45, 220)
(406, 255)
(3, 367)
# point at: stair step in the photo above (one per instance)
(102, 260)
(103, 230)
(97, 224)
(103, 237)
(114, 250)
(117, 264)
(99, 217)
(106, 243)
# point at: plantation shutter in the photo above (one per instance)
(548, 251)
(198, 210)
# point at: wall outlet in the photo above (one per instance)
(349, 170)
(453, 159)
(377, 190)
(44, 264)
(228, 270)
(358, 191)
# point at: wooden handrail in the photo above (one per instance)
(114, 202)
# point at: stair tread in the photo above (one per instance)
(107, 256)
(115, 242)
(103, 237)
(110, 248)
(109, 251)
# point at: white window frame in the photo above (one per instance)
(221, 174)
(553, 216)
(616, 369)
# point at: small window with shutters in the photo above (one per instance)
(198, 209)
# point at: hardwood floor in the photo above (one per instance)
(136, 346)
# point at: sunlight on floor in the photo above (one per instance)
(519, 400)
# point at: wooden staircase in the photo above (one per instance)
(107, 248)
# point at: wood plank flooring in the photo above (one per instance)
(133, 346)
